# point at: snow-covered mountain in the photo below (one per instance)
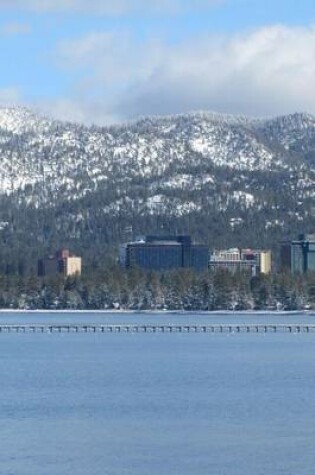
(72, 159)
(197, 165)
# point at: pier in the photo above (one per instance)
(160, 328)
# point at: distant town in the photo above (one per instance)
(161, 253)
(171, 272)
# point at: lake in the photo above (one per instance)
(157, 404)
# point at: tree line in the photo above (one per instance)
(116, 288)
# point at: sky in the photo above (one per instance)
(104, 62)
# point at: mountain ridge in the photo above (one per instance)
(228, 180)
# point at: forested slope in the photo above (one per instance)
(227, 181)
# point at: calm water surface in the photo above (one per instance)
(155, 317)
(142, 404)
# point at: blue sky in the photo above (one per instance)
(101, 61)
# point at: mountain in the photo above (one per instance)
(227, 180)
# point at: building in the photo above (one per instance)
(61, 263)
(238, 260)
(299, 256)
(261, 257)
(160, 253)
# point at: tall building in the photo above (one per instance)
(299, 256)
(236, 260)
(160, 253)
(61, 263)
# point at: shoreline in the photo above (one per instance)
(160, 312)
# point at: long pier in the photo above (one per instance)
(160, 328)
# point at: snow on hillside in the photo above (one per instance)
(47, 159)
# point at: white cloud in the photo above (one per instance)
(269, 71)
(78, 110)
(108, 7)
(111, 57)
(264, 72)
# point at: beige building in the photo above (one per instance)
(264, 258)
(256, 261)
(60, 263)
(72, 266)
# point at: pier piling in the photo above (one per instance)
(132, 328)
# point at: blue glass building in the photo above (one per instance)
(299, 255)
(161, 253)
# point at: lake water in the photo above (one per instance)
(157, 404)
